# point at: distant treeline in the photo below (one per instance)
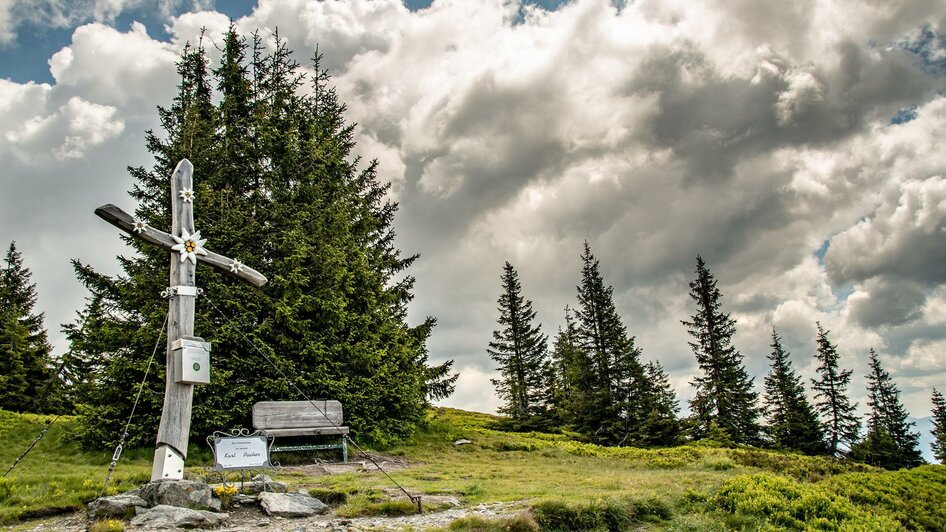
(593, 381)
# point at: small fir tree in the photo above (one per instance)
(890, 443)
(571, 377)
(617, 376)
(660, 425)
(724, 393)
(519, 347)
(26, 367)
(838, 415)
(792, 422)
(938, 445)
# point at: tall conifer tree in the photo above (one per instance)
(839, 416)
(724, 393)
(519, 347)
(890, 443)
(938, 445)
(276, 187)
(791, 420)
(26, 366)
(617, 374)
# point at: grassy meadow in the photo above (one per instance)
(555, 481)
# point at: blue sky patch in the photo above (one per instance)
(904, 115)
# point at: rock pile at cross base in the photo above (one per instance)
(263, 504)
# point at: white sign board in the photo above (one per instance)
(244, 452)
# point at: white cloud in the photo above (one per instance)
(473, 391)
(66, 133)
(7, 33)
(749, 134)
(110, 67)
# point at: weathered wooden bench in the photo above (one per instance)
(302, 418)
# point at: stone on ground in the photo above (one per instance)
(164, 516)
(299, 504)
(121, 506)
(183, 493)
(261, 483)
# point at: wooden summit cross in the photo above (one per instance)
(186, 249)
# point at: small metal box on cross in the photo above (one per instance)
(186, 247)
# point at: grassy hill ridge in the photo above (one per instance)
(560, 483)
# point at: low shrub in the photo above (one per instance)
(510, 445)
(718, 463)
(798, 466)
(7, 487)
(652, 508)
(329, 496)
(607, 514)
(914, 497)
(782, 502)
(396, 508)
(518, 523)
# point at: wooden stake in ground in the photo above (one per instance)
(186, 247)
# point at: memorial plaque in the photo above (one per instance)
(233, 453)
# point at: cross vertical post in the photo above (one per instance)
(171, 451)
(171, 446)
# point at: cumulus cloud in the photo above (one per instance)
(904, 237)
(70, 13)
(882, 302)
(750, 134)
(128, 69)
(72, 129)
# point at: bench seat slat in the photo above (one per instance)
(302, 418)
(312, 431)
(296, 414)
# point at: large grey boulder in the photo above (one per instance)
(120, 506)
(164, 516)
(183, 493)
(299, 504)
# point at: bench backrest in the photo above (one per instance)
(296, 414)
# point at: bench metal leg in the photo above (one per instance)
(344, 448)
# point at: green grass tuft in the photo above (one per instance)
(107, 525)
(518, 523)
(329, 496)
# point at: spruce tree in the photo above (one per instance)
(519, 347)
(617, 375)
(838, 415)
(26, 365)
(724, 393)
(890, 443)
(792, 423)
(571, 378)
(660, 425)
(938, 445)
(277, 188)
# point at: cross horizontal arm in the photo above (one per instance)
(124, 221)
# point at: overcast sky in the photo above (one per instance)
(797, 146)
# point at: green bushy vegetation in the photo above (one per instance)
(771, 500)
(915, 497)
(520, 523)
